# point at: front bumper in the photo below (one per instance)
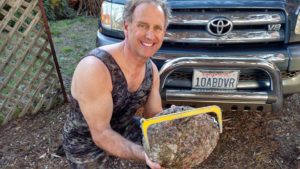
(271, 98)
(251, 95)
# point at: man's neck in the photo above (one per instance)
(133, 62)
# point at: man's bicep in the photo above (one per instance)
(154, 105)
(93, 92)
(97, 112)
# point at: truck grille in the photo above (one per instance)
(226, 26)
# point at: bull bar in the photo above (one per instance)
(272, 97)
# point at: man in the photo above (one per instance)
(110, 85)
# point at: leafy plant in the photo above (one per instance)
(58, 9)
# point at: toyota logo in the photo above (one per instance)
(219, 26)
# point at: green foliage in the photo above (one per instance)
(58, 9)
(49, 10)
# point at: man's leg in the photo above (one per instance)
(132, 132)
(100, 163)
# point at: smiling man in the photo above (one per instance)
(110, 84)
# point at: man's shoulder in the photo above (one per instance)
(91, 63)
(97, 52)
(91, 74)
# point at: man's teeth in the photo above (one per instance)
(147, 44)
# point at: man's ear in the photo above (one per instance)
(125, 27)
(165, 31)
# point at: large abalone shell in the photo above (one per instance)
(182, 143)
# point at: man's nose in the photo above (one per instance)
(150, 34)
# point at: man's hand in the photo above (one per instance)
(151, 164)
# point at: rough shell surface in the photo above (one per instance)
(182, 143)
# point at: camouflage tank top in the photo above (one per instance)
(77, 140)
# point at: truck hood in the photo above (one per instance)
(261, 4)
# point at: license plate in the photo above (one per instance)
(215, 79)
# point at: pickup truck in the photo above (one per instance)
(242, 55)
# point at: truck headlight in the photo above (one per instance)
(112, 16)
(297, 28)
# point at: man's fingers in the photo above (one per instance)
(155, 166)
(151, 164)
(173, 106)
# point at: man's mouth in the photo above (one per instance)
(147, 44)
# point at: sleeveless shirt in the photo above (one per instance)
(77, 140)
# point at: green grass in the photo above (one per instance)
(73, 39)
(66, 49)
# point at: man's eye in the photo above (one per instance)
(158, 28)
(141, 26)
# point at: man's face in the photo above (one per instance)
(144, 35)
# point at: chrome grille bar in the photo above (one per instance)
(237, 18)
(236, 36)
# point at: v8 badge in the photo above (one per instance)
(274, 27)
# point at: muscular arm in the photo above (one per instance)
(92, 87)
(153, 105)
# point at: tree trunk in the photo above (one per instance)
(89, 7)
(74, 4)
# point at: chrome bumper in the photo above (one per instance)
(271, 98)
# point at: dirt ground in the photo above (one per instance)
(249, 140)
